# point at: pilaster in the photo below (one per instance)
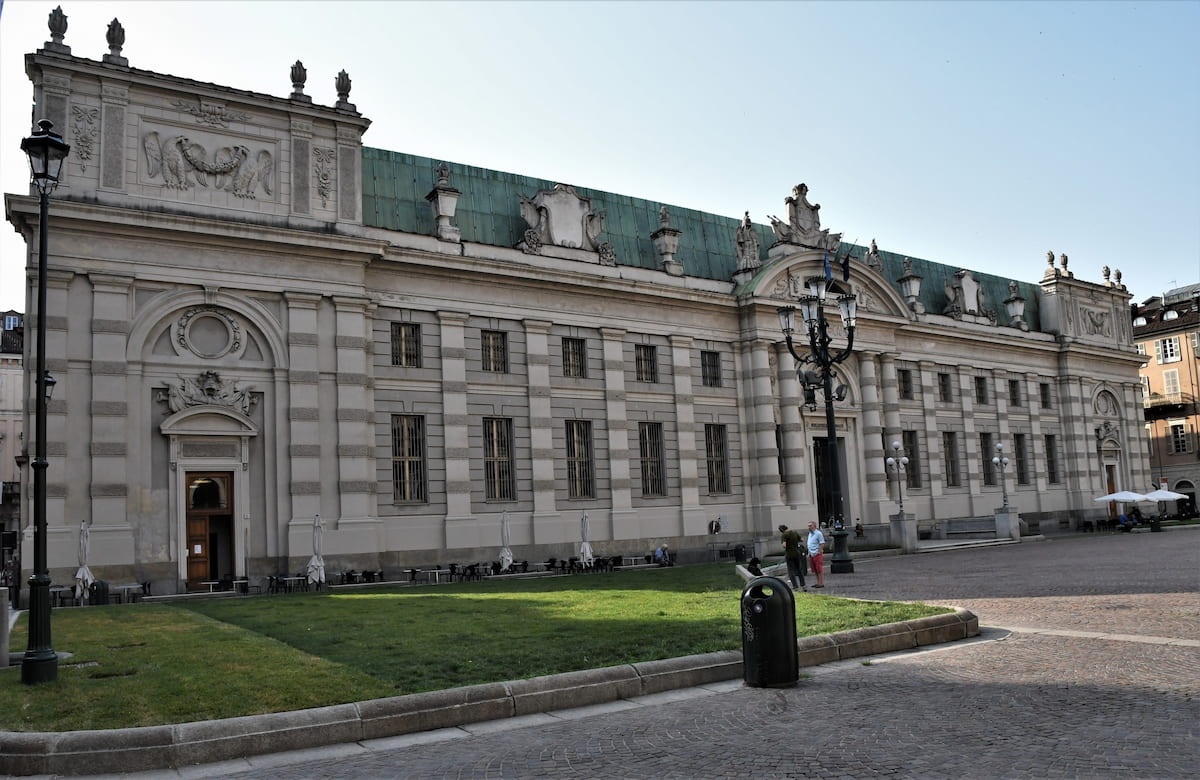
(624, 520)
(304, 432)
(692, 520)
(546, 520)
(794, 475)
(355, 418)
(461, 530)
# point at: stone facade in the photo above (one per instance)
(257, 320)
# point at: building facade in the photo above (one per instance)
(12, 437)
(259, 320)
(1166, 330)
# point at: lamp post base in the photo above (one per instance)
(40, 662)
(841, 562)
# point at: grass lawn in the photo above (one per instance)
(151, 664)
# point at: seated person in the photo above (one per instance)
(662, 556)
(754, 568)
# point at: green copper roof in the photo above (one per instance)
(489, 212)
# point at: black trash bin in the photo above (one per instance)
(1156, 524)
(98, 593)
(739, 553)
(769, 654)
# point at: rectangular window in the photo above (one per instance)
(1145, 388)
(1179, 439)
(904, 379)
(1047, 399)
(493, 351)
(987, 449)
(1167, 350)
(1141, 348)
(11, 321)
(1051, 459)
(1014, 392)
(406, 344)
(717, 458)
(580, 464)
(981, 390)
(498, 459)
(646, 362)
(710, 368)
(574, 356)
(912, 448)
(1021, 458)
(1171, 382)
(950, 453)
(408, 459)
(650, 449)
(945, 389)
(1196, 343)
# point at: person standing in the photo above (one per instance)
(795, 559)
(816, 553)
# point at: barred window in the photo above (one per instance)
(408, 459)
(580, 465)
(574, 357)
(912, 446)
(710, 368)
(1047, 397)
(646, 362)
(498, 465)
(950, 452)
(1022, 458)
(904, 379)
(981, 390)
(493, 351)
(717, 458)
(1051, 459)
(945, 388)
(650, 447)
(1014, 392)
(406, 344)
(988, 450)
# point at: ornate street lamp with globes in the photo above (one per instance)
(47, 152)
(1001, 462)
(823, 359)
(898, 465)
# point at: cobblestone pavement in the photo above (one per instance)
(1097, 675)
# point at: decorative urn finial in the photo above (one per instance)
(299, 76)
(116, 40)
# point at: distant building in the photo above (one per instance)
(1166, 330)
(12, 440)
(253, 320)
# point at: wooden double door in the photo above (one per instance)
(210, 547)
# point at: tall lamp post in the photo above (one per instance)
(812, 311)
(46, 151)
(1001, 462)
(898, 465)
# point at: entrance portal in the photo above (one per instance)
(824, 491)
(210, 538)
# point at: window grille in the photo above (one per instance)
(498, 467)
(710, 368)
(408, 458)
(574, 355)
(646, 362)
(650, 446)
(406, 344)
(717, 458)
(493, 351)
(580, 465)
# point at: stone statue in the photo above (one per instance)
(872, 258)
(664, 217)
(1104, 270)
(1062, 260)
(746, 239)
(804, 223)
(1050, 258)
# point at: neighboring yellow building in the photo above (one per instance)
(1167, 331)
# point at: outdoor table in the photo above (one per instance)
(127, 593)
(212, 584)
(434, 575)
(293, 583)
(57, 593)
(538, 565)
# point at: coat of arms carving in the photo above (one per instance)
(562, 217)
(182, 162)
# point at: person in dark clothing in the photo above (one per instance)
(795, 559)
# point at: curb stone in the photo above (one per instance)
(179, 745)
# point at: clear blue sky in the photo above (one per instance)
(975, 134)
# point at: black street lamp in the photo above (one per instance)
(898, 465)
(1001, 463)
(46, 151)
(812, 311)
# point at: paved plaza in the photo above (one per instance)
(1088, 666)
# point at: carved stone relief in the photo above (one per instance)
(324, 168)
(182, 162)
(1105, 404)
(208, 389)
(84, 130)
(211, 114)
(1095, 323)
(208, 332)
(562, 217)
(803, 224)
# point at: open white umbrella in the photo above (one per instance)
(506, 556)
(1165, 495)
(84, 577)
(1121, 497)
(316, 564)
(585, 547)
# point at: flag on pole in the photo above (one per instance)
(828, 270)
(846, 268)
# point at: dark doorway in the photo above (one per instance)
(209, 528)
(824, 490)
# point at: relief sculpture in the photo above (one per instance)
(183, 162)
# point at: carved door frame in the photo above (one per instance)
(208, 439)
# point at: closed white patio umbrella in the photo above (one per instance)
(585, 546)
(84, 577)
(316, 564)
(506, 556)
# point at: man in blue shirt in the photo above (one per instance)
(816, 553)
